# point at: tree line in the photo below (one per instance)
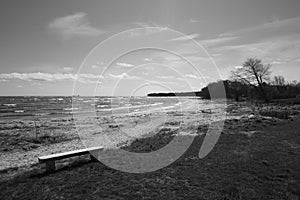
(253, 80)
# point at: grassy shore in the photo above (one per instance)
(255, 158)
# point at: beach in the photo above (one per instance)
(27, 136)
(256, 156)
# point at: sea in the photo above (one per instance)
(29, 107)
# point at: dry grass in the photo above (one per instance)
(264, 166)
(25, 135)
(280, 114)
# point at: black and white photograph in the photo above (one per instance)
(150, 99)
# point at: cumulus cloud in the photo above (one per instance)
(38, 76)
(77, 24)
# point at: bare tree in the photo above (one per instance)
(279, 81)
(253, 73)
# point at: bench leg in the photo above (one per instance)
(50, 166)
(93, 159)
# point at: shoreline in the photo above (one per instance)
(244, 164)
(23, 157)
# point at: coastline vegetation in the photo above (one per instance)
(251, 81)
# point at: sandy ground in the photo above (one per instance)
(255, 158)
(21, 147)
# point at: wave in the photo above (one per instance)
(102, 106)
(43, 114)
(130, 107)
(10, 104)
(19, 111)
(70, 109)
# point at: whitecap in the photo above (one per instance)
(19, 111)
(10, 105)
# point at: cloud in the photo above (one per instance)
(192, 76)
(124, 64)
(99, 64)
(275, 62)
(150, 24)
(280, 49)
(270, 29)
(162, 82)
(147, 59)
(68, 69)
(142, 24)
(186, 37)
(274, 42)
(217, 41)
(238, 67)
(77, 24)
(124, 76)
(147, 29)
(174, 78)
(47, 77)
(194, 20)
(95, 66)
(166, 77)
(275, 33)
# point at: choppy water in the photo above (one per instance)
(57, 106)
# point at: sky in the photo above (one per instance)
(110, 47)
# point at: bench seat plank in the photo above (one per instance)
(69, 154)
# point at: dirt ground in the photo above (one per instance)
(257, 158)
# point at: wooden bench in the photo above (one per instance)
(50, 160)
